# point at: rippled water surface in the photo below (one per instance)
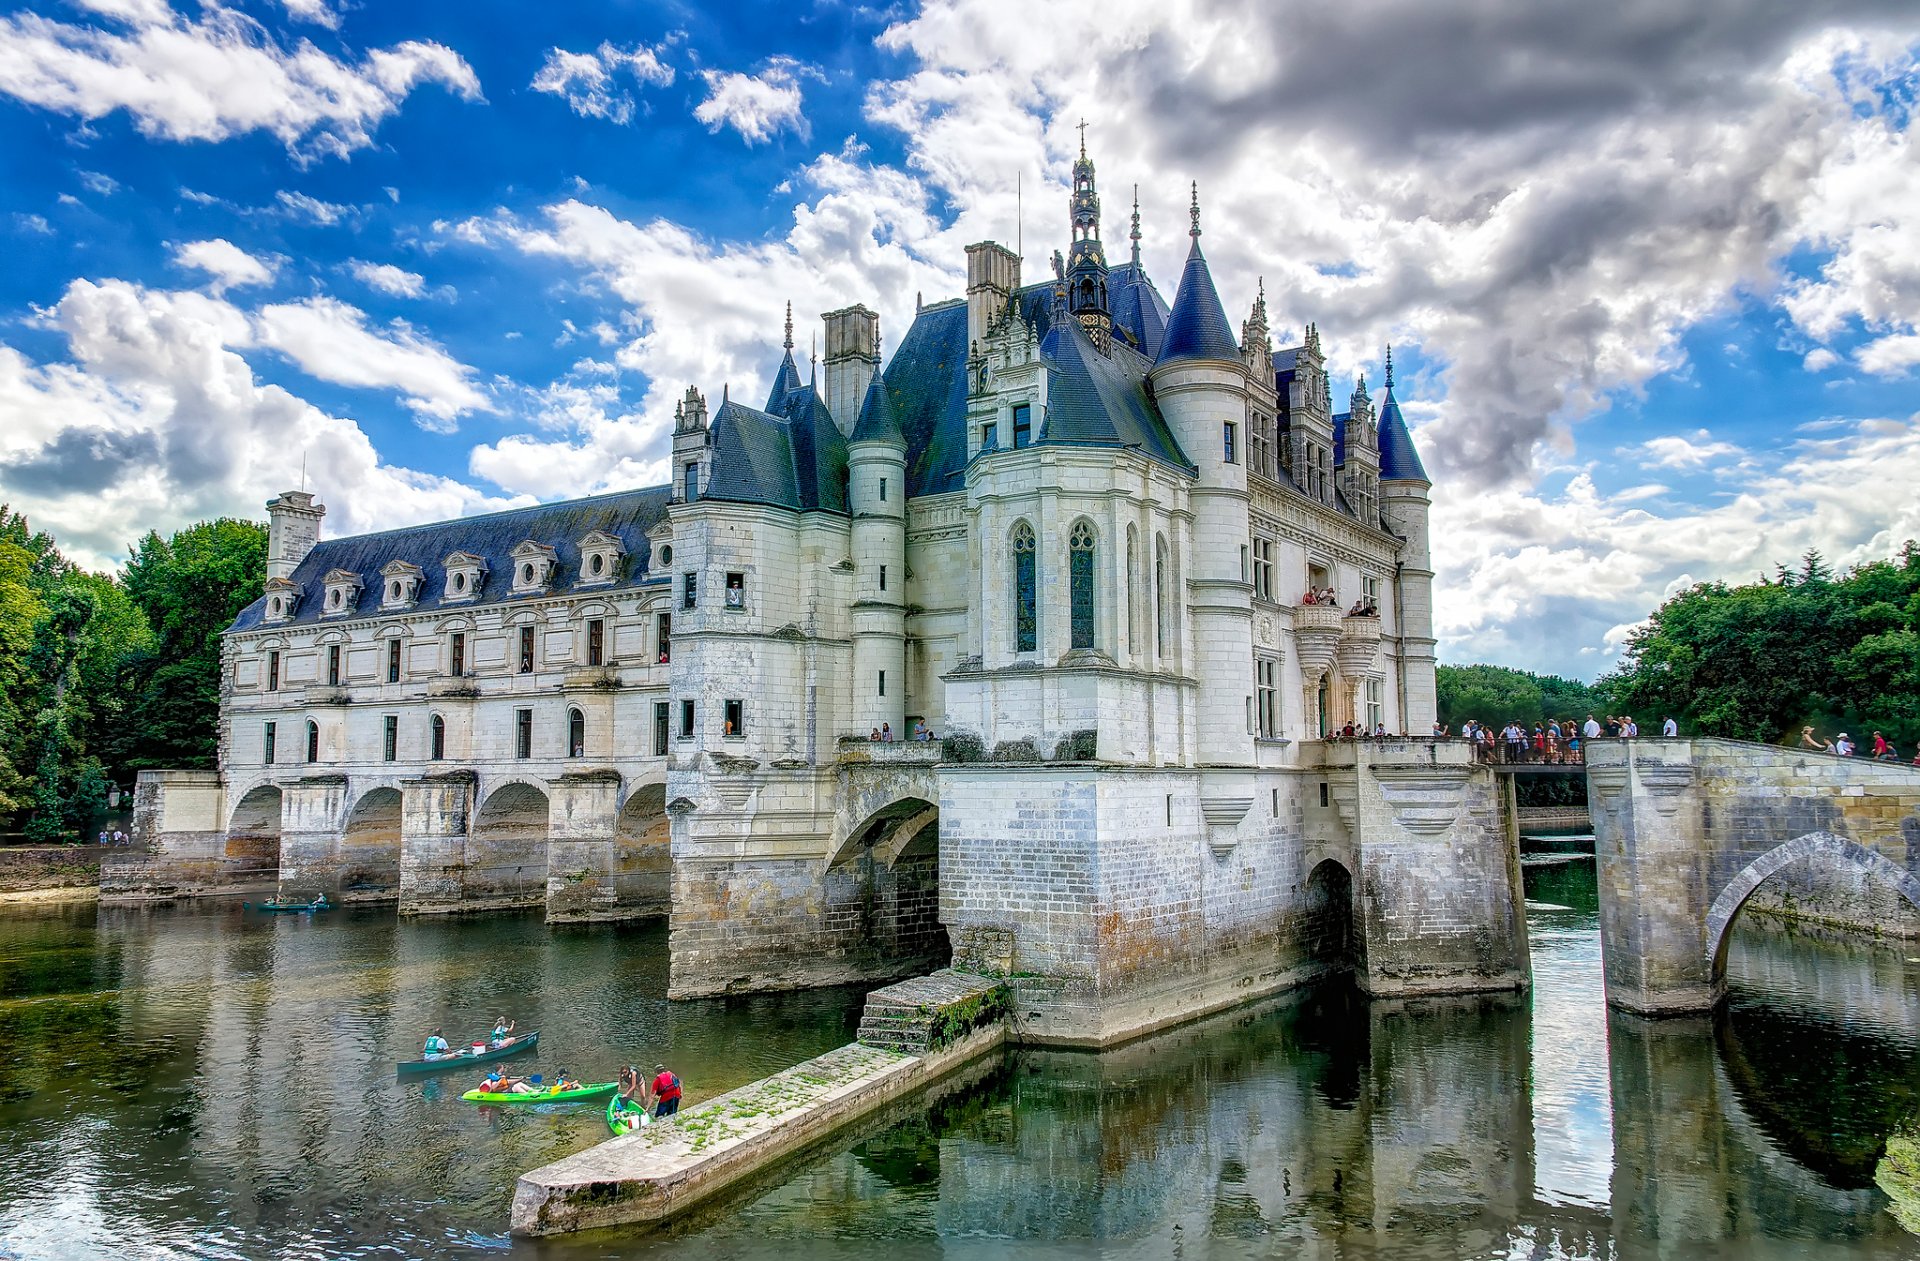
(200, 1082)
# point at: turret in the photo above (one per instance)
(993, 277)
(1086, 269)
(853, 356)
(1307, 430)
(786, 379)
(877, 498)
(1404, 503)
(692, 452)
(293, 527)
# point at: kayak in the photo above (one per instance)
(467, 1055)
(625, 1120)
(600, 1091)
(288, 908)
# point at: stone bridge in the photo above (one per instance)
(1687, 830)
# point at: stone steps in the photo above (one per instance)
(909, 1016)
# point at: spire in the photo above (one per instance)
(877, 422)
(1086, 266)
(1197, 326)
(789, 341)
(1260, 302)
(1399, 459)
(1134, 235)
(1389, 367)
(1194, 212)
(786, 378)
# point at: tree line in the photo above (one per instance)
(102, 675)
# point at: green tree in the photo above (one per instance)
(1496, 695)
(20, 611)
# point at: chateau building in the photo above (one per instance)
(1067, 528)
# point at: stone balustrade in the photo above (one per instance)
(1317, 631)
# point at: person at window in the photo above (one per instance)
(874, 735)
(886, 733)
(1311, 597)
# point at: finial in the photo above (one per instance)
(1135, 234)
(1083, 137)
(813, 355)
(789, 341)
(1389, 365)
(1260, 299)
(1194, 211)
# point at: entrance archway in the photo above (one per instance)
(643, 852)
(1329, 935)
(883, 891)
(370, 848)
(253, 835)
(507, 849)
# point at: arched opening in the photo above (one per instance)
(370, 847)
(643, 852)
(1026, 599)
(313, 741)
(883, 892)
(507, 849)
(576, 733)
(1080, 558)
(253, 835)
(1329, 934)
(438, 728)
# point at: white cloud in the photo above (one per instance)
(1819, 360)
(588, 82)
(331, 341)
(95, 182)
(387, 278)
(1892, 355)
(756, 106)
(36, 224)
(318, 12)
(1685, 453)
(154, 421)
(219, 76)
(312, 209)
(228, 264)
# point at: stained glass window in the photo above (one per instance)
(1080, 582)
(1026, 604)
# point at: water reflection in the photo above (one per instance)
(205, 1083)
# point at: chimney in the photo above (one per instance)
(993, 276)
(853, 356)
(293, 527)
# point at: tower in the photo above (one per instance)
(692, 454)
(1404, 504)
(1086, 272)
(293, 527)
(877, 498)
(1200, 383)
(853, 357)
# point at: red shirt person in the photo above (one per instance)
(666, 1089)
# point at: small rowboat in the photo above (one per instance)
(277, 907)
(466, 1055)
(625, 1120)
(582, 1095)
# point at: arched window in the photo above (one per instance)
(1160, 594)
(1026, 604)
(1133, 572)
(1080, 582)
(576, 733)
(313, 741)
(439, 726)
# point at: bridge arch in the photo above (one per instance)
(1330, 928)
(1823, 847)
(370, 846)
(643, 851)
(507, 847)
(253, 833)
(882, 889)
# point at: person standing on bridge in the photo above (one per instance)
(1592, 730)
(1670, 729)
(666, 1091)
(1843, 746)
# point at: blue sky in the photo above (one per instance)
(1653, 305)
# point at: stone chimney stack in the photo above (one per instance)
(853, 356)
(293, 527)
(993, 277)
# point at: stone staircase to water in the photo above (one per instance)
(928, 1012)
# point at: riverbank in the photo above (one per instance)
(45, 873)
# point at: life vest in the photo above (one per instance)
(666, 1086)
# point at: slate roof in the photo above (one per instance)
(1197, 328)
(1139, 312)
(877, 422)
(786, 382)
(1399, 459)
(627, 515)
(1101, 400)
(797, 459)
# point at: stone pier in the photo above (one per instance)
(181, 846)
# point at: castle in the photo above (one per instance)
(1067, 528)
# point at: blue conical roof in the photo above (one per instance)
(785, 382)
(877, 422)
(1197, 328)
(1399, 460)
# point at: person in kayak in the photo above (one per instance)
(666, 1092)
(436, 1046)
(502, 1030)
(498, 1083)
(564, 1081)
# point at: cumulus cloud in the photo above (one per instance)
(217, 76)
(590, 82)
(387, 278)
(331, 341)
(300, 206)
(228, 264)
(318, 12)
(756, 106)
(1685, 453)
(153, 419)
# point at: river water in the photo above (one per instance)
(205, 1082)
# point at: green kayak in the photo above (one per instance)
(625, 1120)
(599, 1091)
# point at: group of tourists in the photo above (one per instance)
(1362, 607)
(115, 837)
(883, 734)
(660, 1095)
(1555, 742)
(1881, 750)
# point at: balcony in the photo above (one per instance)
(859, 749)
(591, 679)
(331, 694)
(454, 687)
(1317, 631)
(1359, 645)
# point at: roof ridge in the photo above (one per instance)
(664, 488)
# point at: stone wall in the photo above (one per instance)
(41, 869)
(180, 844)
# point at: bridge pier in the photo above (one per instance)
(435, 813)
(313, 809)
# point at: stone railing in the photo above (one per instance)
(889, 753)
(591, 678)
(453, 687)
(328, 695)
(1359, 644)
(1317, 630)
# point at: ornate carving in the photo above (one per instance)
(1425, 800)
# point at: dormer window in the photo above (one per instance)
(466, 574)
(533, 565)
(282, 599)
(402, 589)
(343, 593)
(600, 557)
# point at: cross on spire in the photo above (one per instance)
(789, 341)
(1083, 137)
(1389, 365)
(1194, 211)
(1135, 234)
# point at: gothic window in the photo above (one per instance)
(1133, 567)
(439, 748)
(576, 733)
(1080, 582)
(1160, 594)
(1026, 606)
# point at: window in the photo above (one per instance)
(1160, 595)
(1080, 583)
(526, 650)
(989, 437)
(736, 712)
(736, 591)
(1266, 678)
(390, 744)
(596, 642)
(1026, 607)
(1228, 442)
(690, 592)
(1261, 442)
(883, 490)
(693, 481)
(333, 665)
(457, 654)
(393, 661)
(526, 575)
(1246, 572)
(523, 733)
(1370, 591)
(659, 728)
(313, 741)
(883, 577)
(439, 730)
(1022, 425)
(576, 733)
(273, 672)
(1376, 705)
(666, 638)
(1263, 569)
(1323, 795)
(1133, 566)
(883, 684)
(686, 720)
(266, 745)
